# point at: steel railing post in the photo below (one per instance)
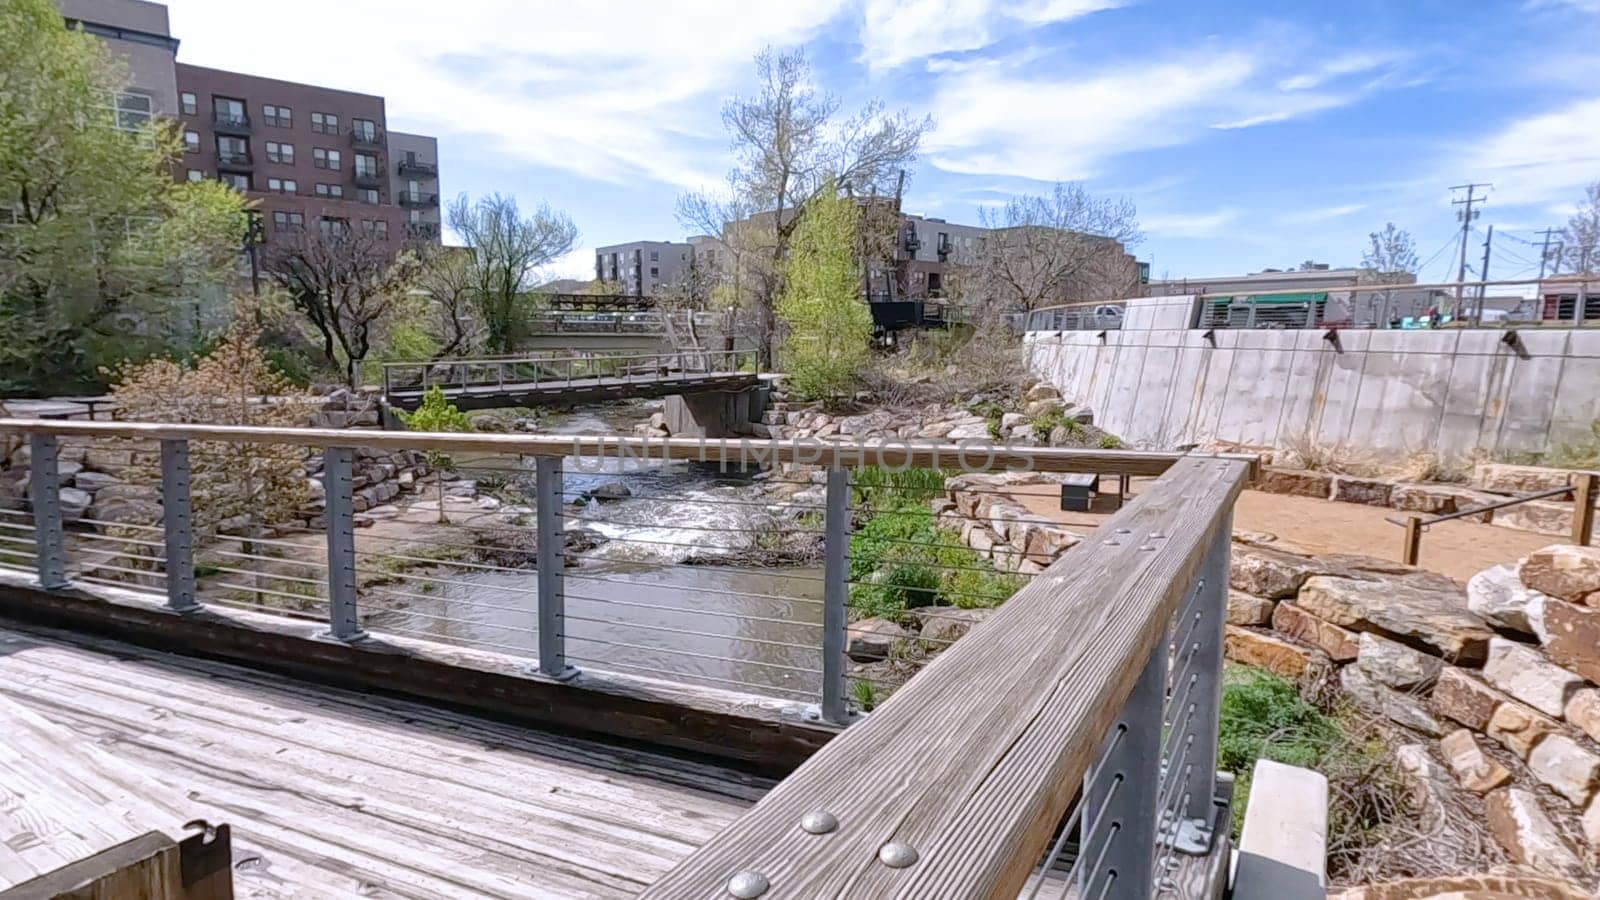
(176, 525)
(44, 490)
(550, 556)
(1117, 848)
(338, 482)
(1202, 632)
(836, 549)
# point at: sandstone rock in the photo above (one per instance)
(1299, 482)
(1499, 596)
(1042, 391)
(1370, 491)
(1591, 824)
(1046, 543)
(1537, 516)
(1396, 665)
(874, 639)
(1521, 826)
(1440, 499)
(1429, 787)
(983, 540)
(1270, 572)
(1037, 408)
(1338, 643)
(1564, 571)
(1506, 478)
(611, 490)
(1519, 728)
(126, 512)
(1583, 710)
(1011, 420)
(1525, 674)
(1401, 610)
(974, 432)
(1566, 767)
(945, 624)
(74, 503)
(1273, 653)
(1572, 637)
(1464, 697)
(1476, 770)
(92, 481)
(1400, 708)
(1248, 609)
(113, 492)
(866, 424)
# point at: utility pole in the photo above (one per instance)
(1483, 277)
(1544, 250)
(1466, 216)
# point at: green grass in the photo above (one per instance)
(1046, 422)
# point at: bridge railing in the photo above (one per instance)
(555, 369)
(1064, 747)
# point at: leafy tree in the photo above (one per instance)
(98, 239)
(346, 283)
(436, 413)
(791, 148)
(1580, 240)
(1392, 254)
(444, 276)
(506, 250)
(828, 323)
(1069, 245)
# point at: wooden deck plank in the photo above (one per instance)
(332, 793)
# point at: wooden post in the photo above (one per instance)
(1583, 497)
(1413, 545)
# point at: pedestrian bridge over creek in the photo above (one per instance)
(1065, 747)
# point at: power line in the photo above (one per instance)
(1466, 216)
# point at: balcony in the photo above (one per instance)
(417, 199)
(368, 178)
(419, 168)
(224, 123)
(366, 137)
(235, 162)
(422, 231)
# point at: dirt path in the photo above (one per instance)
(1458, 548)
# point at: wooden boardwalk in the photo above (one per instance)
(575, 390)
(332, 793)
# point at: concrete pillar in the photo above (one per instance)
(711, 414)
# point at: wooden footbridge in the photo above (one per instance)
(567, 379)
(1066, 747)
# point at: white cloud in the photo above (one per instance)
(1323, 214)
(1064, 122)
(895, 32)
(1188, 225)
(607, 89)
(1541, 159)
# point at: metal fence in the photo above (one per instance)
(556, 369)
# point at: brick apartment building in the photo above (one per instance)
(312, 157)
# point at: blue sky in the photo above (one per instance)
(1249, 134)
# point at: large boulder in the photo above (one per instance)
(1537, 516)
(874, 639)
(1476, 770)
(1583, 710)
(1572, 637)
(1298, 482)
(1368, 491)
(1412, 612)
(1441, 499)
(1520, 728)
(1268, 572)
(1522, 827)
(1467, 887)
(1398, 707)
(1566, 767)
(1042, 391)
(1275, 654)
(1464, 697)
(74, 503)
(1506, 478)
(945, 624)
(1339, 643)
(1396, 665)
(1499, 596)
(1565, 571)
(1248, 609)
(1525, 673)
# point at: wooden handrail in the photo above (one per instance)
(974, 762)
(970, 456)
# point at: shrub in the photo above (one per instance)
(1110, 442)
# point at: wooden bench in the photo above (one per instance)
(77, 823)
(1079, 491)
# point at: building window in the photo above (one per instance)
(237, 180)
(283, 185)
(654, 272)
(191, 104)
(278, 116)
(330, 190)
(378, 228)
(655, 256)
(288, 221)
(324, 123)
(366, 165)
(232, 149)
(133, 111)
(228, 111)
(334, 227)
(191, 141)
(280, 153)
(367, 195)
(196, 175)
(364, 129)
(323, 158)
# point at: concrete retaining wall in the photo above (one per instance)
(1450, 391)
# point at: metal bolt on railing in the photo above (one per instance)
(819, 822)
(747, 885)
(897, 854)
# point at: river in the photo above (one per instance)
(644, 601)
